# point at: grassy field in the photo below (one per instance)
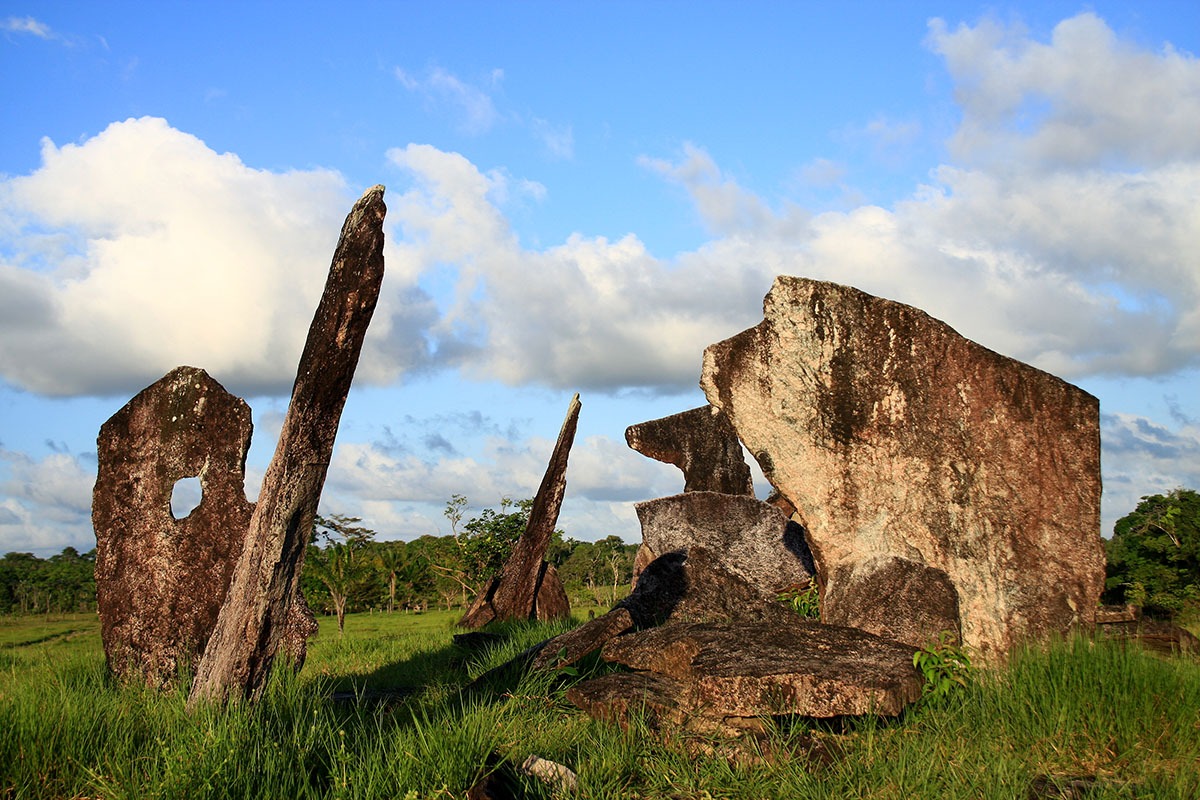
(380, 712)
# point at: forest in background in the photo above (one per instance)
(1153, 563)
(347, 570)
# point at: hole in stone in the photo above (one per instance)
(185, 496)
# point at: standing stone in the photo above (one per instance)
(750, 538)
(894, 436)
(528, 587)
(251, 623)
(702, 443)
(160, 580)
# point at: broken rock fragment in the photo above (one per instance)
(702, 443)
(895, 598)
(748, 537)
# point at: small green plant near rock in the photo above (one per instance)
(945, 665)
(806, 602)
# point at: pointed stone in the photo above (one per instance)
(515, 593)
(251, 623)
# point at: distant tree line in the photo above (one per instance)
(61, 584)
(347, 570)
(1153, 562)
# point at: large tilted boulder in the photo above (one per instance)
(748, 537)
(894, 436)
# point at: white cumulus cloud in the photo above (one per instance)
(141, 249)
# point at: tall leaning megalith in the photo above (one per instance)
(939, 482)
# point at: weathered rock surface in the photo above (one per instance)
(160, 581)
(550, 600)
(690, 586)
(696, 587)
(528, 587)
(702, 443)
(895, 436)
(894, 598)
(746, 536)
(567, 648)
(618, 696)
(252, 621)
(726, 677)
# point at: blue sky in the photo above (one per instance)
(582, 196)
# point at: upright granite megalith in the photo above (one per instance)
(911, 453)
(160, 580)
(251, 626)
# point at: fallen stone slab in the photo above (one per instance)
(620, 696)
(759, 669)
(747, 537)
(892, 435)
(568, 648)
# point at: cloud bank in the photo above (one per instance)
(1061, 230)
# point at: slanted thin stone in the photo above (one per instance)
(251, 623)
(514, 594)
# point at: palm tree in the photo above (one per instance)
(392, 561)
(340, 573)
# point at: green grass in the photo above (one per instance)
(67, 730)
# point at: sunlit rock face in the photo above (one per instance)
(894, 436)
(160, 580)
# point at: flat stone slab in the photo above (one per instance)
(763, 669)
(618, 696)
